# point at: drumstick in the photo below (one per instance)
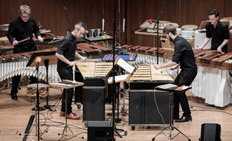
(28, 38)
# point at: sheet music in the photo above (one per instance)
(167, 87)
(118, 78)
(122, 63)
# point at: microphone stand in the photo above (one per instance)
(67, 17)
(115, 130)
(37, 101)
(157, 25)
(114, 88)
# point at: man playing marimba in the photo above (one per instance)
(218, 31)
(66, 54)
(183, 56)
(20, 35)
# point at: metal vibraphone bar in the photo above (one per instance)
(213, 81)
(15, 64)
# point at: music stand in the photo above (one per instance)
(171, 88)
(67, 84)
(46, 59)
(33, 63)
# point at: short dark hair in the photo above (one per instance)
(214, 12)
(79, 25)
(169, 28)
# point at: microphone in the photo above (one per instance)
(38, 60)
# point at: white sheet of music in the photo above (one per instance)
(118, 78)
(126, 66)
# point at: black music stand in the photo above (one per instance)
(32, 63)
(171, 88)
(46, 59)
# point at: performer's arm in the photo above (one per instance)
(206, 41)
(219, 49)
(169, 64)
(80, 57)
(62, 58)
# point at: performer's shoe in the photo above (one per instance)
(184, 119)
(73, 116)
(14, 96)
(62, 113)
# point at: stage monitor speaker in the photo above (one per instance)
(210, 132)
(93, 103)
(143, 105)
(100, 130)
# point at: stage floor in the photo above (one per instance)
(15, 114)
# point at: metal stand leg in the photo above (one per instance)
(170, 127)
(66, 127)
(169, 136)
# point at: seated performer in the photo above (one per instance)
(21, 28)
(183, 56)
(66, 54)
(218, 31)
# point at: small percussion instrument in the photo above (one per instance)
(32, 89)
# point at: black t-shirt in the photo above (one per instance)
(218, 34)
(67, 48)
(183, 54)
(19, 30)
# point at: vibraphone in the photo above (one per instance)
(147, 77)
(15, 64)
(143, 98)
(213, 81)
(95, 89)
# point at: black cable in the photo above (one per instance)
(209, 109)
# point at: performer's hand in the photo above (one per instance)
(220, 50)
(40, 39)
(84, 58)
(199, 48)
(173, 68)
(15, 42)
(157, 67)
(73, 63)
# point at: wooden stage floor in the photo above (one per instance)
(14, 116)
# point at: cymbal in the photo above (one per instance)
(4, 27)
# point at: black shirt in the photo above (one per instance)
(183, 54)
(19, 30)
(218, 34)
(67, 48)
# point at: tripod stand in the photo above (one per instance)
(170, 127)
(66, 85)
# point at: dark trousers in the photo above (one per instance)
(66, 74)
(185, 77)
(16, 79)
(15, 83)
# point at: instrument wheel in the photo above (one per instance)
(132, 127)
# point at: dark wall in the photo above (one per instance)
(51, 15)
